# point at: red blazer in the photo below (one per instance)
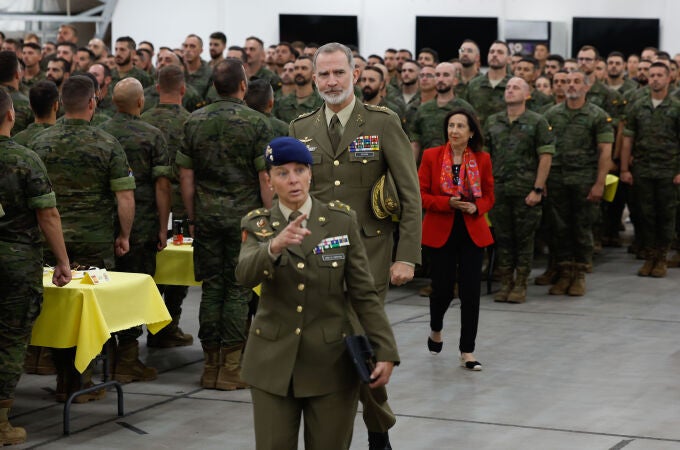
(439, 216)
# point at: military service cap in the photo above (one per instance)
(384, 197)
(284, 150)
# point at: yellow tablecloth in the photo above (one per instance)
(84, 315)
(175, 265)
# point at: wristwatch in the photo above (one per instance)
(538, 190)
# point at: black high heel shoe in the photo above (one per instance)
(434, 347)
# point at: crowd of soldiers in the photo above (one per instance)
(126, 143)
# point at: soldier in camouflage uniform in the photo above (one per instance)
(260, 97)
(221, 173)
(93, 180)
(528, 69)
(426, 130)
(305, 98)
(28, 206)
(125, 48)
(44, 98)
(169, 116)
(31, 56)
(10, 78)
(191, 100)
(147, 153)
(652, 138)
(103, 75)
(198, 72)
(485, 93)
(521, 145)
(583, 141)
(255, 68)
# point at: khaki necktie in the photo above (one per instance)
(334, 132)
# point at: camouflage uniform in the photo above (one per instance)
(224, 145)
(24, 187)
(572, 175)
(484, 98)
(266, 74)
(201, 80)
(538, 101)
(656, 160)
(191, 100)
(26, 85)
(170, 119)
(461, 88)
(428, 124)
(399, 108)
(105, 105)
(288, 108)
(135, 72)
(608, 99)
(515, 148)
(628, 85)
(22, 109)
(147, 153)
(279, 126)
(26, 136)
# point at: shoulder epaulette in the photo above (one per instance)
(384, 109)
(303, 115)
(337, 205)
(257, 212)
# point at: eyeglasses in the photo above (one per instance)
(426, 75)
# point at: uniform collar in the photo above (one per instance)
(305, 209)
(343, 114)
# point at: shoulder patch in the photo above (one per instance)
(337, 205)
(384, 109)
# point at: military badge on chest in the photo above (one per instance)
(263, 230)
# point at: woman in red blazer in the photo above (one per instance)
(456, 185)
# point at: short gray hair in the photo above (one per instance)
(333, 47)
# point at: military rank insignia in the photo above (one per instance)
(365, 144)
(331, 242)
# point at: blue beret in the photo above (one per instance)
(284, 150)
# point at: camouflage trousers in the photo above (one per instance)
(656, 203)
(515, 225)
(20, 302)
(224, 304)
(140, 259)
(571, 219)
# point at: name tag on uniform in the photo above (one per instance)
(333, 257)
(365, 147)
(332, 242)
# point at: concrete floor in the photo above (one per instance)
(597, 372)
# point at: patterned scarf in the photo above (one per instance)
(468, 186)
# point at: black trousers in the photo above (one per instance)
(458, 260)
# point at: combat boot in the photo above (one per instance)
(506, 284)
(38, 361)
(674, 261)
(84, 381)
(578, 284)
(229, 375)
(210, 366)
(9, 435)
(660, 265)
(519, 292)
(564, 281)
(548, 277)
(128, 368)
(170, 336)
(647, 267)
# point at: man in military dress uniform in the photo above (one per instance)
(221, 175)
(27, 206)
(147, 154)
(521, 145)
(583, 144)
(353, 146)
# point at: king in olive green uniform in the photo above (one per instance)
(296, 345)
(370, 140)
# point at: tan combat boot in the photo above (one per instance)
(128, 368)
(519, 292)
(84, 381)
(9, 435)
(229, 376)
(578, 285)
(211, 366)
(564, 281)
(38, 361)
(506, 284)
(646, 269)
(660, 264)
(548, 277)
(170, 336)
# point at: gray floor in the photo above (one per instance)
(597, 372)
